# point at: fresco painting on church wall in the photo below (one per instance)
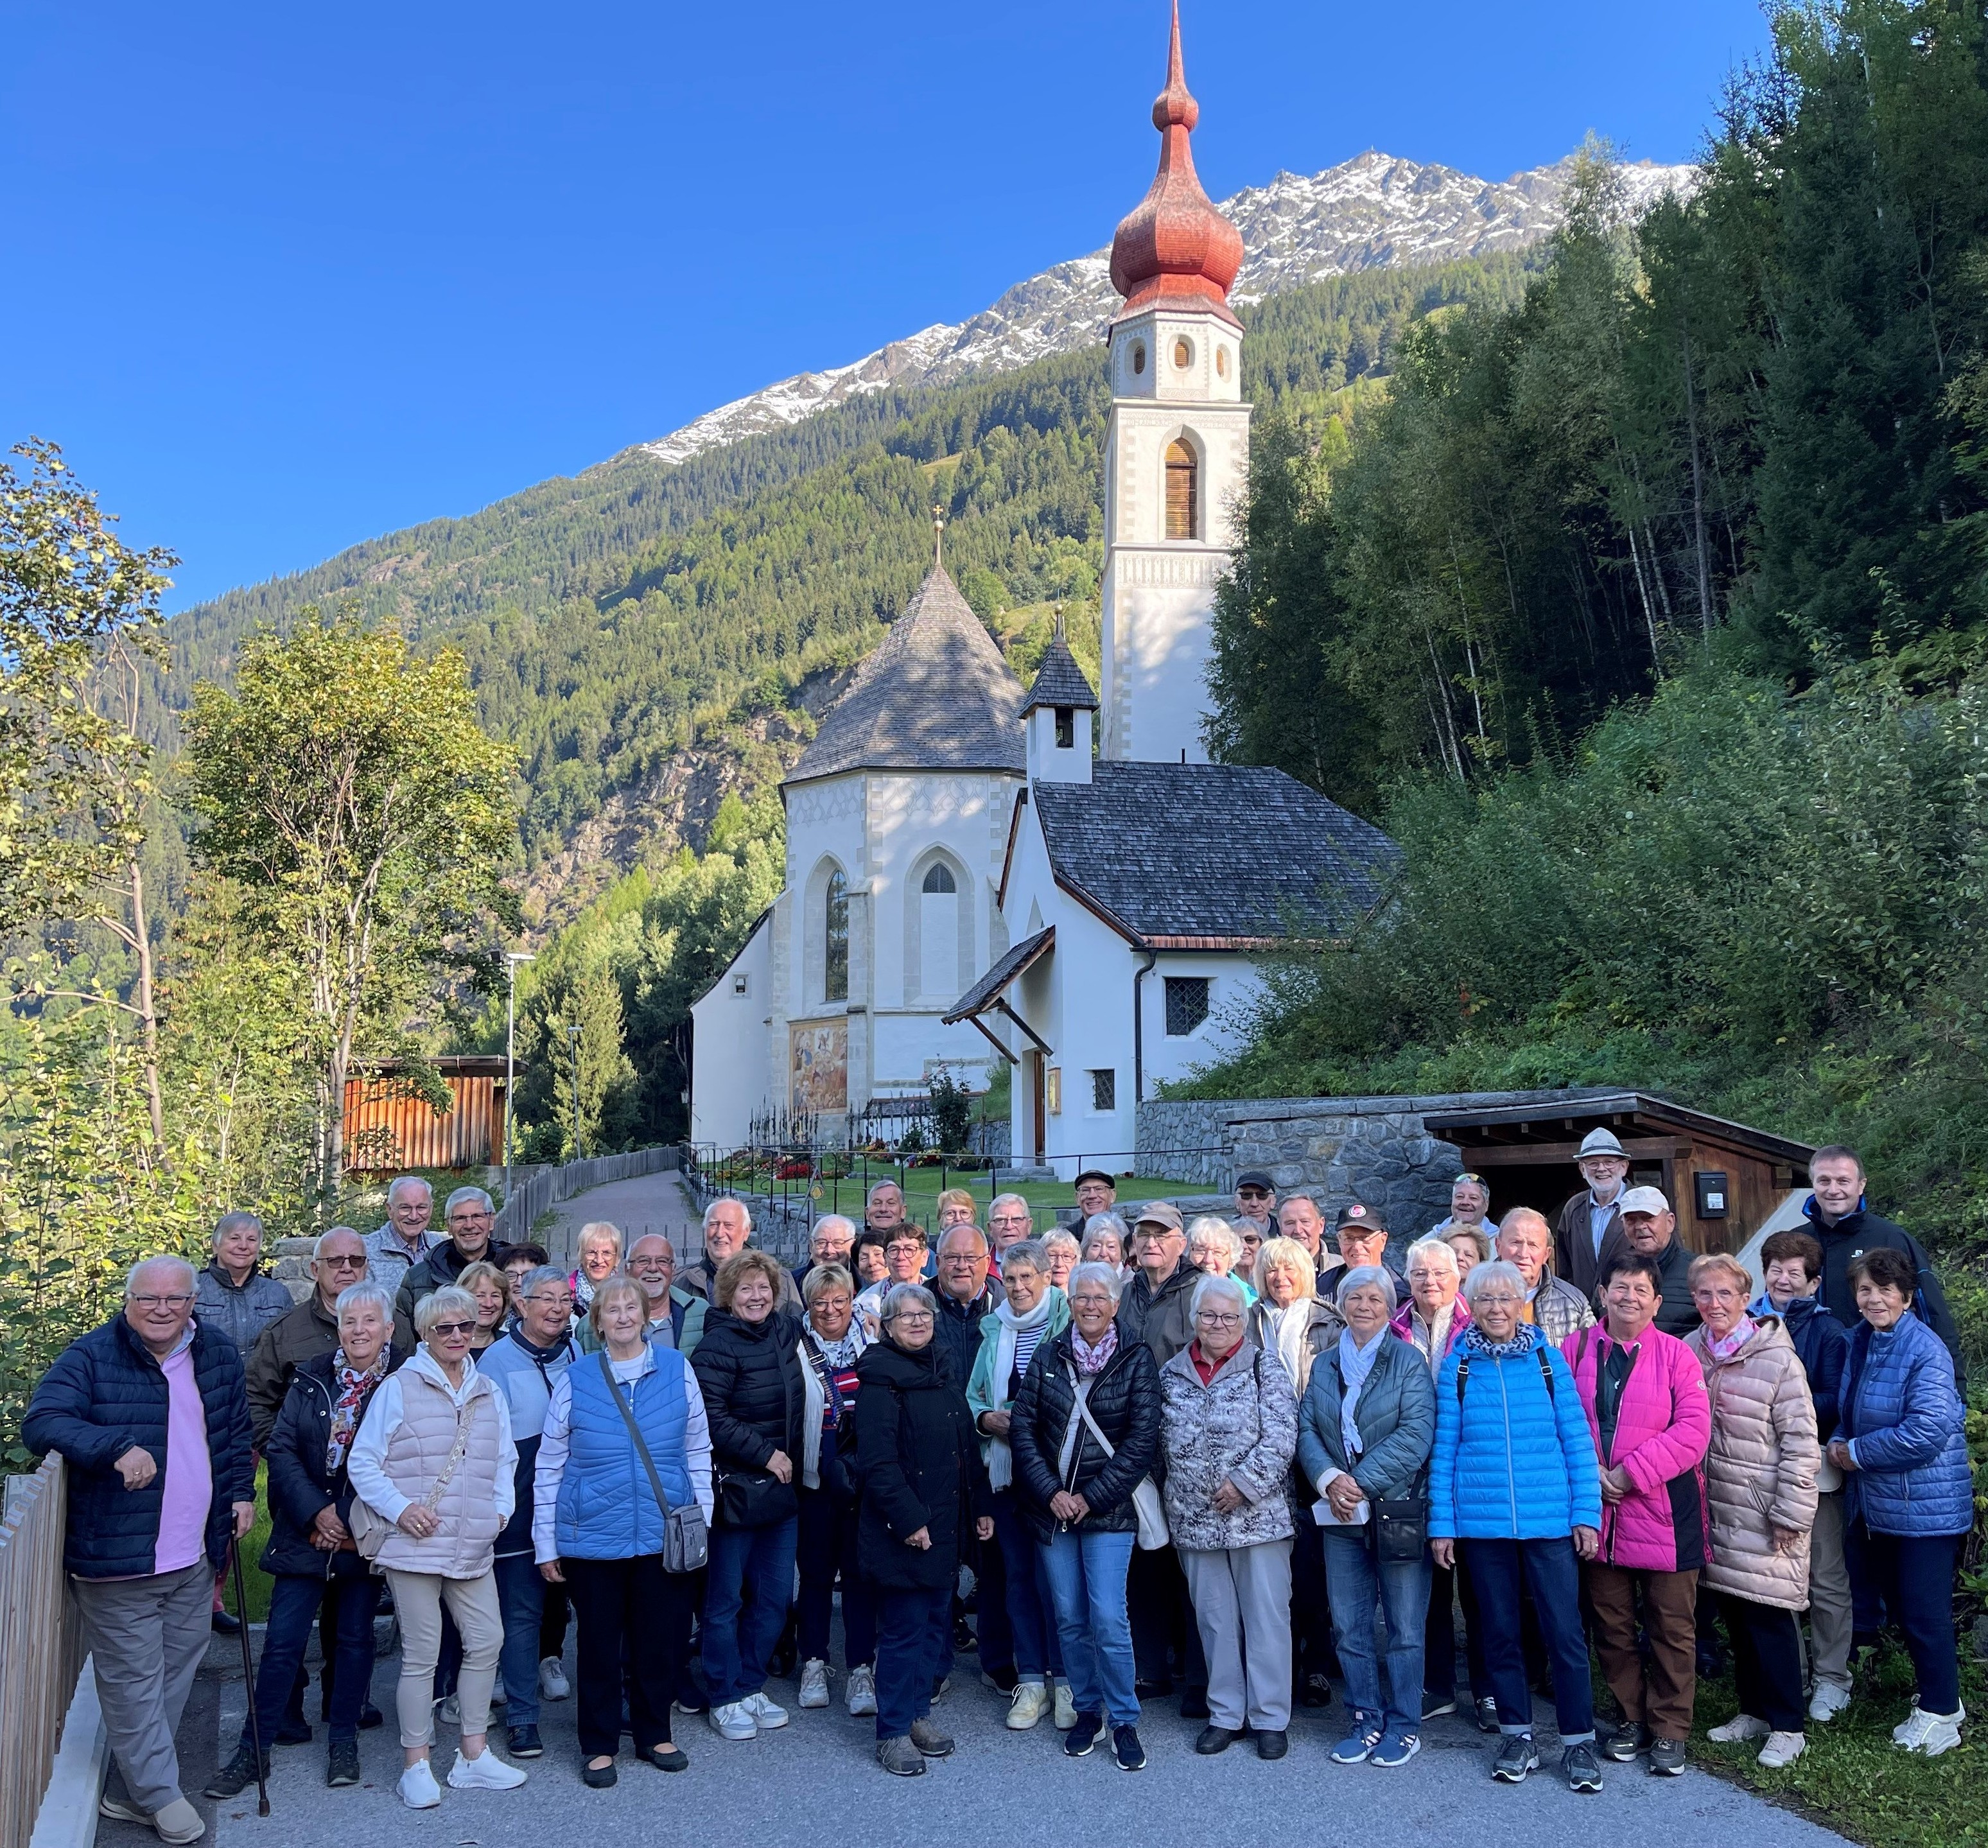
(818, 1065)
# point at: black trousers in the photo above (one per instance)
(1164, 1630)
(1312, 1650)
(1916, 1574)
(631, 1610)
(1449, 1585)
(1766, 1660)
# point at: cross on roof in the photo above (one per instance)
(938, 532)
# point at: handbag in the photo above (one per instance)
(1399, 1528)
(370, 1528)
(686, 1539)
(1148, 1508)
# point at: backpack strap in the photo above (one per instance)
(1462, 1374)
(1546, 1371)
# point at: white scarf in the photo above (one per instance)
(1000, 1458)
(1290, 1327)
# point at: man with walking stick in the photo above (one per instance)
(150, 1413)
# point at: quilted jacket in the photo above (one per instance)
(1906, 1425)
(1395, 1413)
(1242, 1426)
(1124, 1400)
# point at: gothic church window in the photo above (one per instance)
(939, 933)
(1183, 492)
(835, 939)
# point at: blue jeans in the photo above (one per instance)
(293, 1609)
(1031, 1610)
(1086, 1571)
(1355, 1580)
(913, 1628)
(521, 1596)
(736, 1651)
(1498, 1568)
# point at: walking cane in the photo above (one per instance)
(249, 1678)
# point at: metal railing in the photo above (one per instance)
(41, 1644)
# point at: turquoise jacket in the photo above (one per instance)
(983, 1393)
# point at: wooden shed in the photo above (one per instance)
(1723, 1179)
(389, 1125)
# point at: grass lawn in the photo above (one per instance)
(254, 1580)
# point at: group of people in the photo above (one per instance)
(1223, 1457)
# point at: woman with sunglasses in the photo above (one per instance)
(434, 1460)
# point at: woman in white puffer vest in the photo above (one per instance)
(434, 1459)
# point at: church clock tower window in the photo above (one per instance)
(1183, 491)
(835, 939)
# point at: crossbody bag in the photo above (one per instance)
(1150, 1511)
(370, 1528)
(686, 1539)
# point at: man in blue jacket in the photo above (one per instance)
(151, 1415)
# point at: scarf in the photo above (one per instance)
(1355, 1364)
(1763, 1304)
(352, 1387)
(839, 1355)
(1478, 1343)
(1093, 1360)
(1288, 1327)
(1000, 1458)
(1725, 1346)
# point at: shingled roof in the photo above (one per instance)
(936, 695)
(1060, 681)
(1210, 855)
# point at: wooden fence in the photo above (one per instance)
(548, 1186)
(41, 1644)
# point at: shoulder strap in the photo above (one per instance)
(1546, 1371)
(1082, 1390)
(1462, 1374)
(634, 1430)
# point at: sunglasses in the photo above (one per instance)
(446, 1328)
(344, 1264)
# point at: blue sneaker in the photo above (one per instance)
(1358, 1744)
(1397, 1748)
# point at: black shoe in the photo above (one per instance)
(1583, 1770)
(940, 1686)
(1154, 1689)
(294, 1732)
(964, 1641)
(1194, 1703)
(237, 1774)
(1516, 1756)
(341, 1768)
(1273, 1745)
(598, 1777)
(1487, 1714)
(1668, 1758)
(1001, 1680)
(671, 1759)
(524, 1743)
(1711, 1663)
(1077, 1743)
(1627, 1741)
(1435, 1705)
(369, 1716)
(225, 1625)
(1127, 1752)
(1214, 1739)
(1318, 1691)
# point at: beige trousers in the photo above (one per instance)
(418, 1597)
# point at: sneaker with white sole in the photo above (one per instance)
(122, 1809)
(1782, 1748)
(450, 1712)
(1065, 1707)
(1828, 1699)
(814, 1682)
(417, 1787)
(733, 1720)
(1738, 1730)
(1931, 1733)
(1026, 1704)
(179, 1823)
(484, 1771)
(553, 1684)
(861, 1692)
(767, 1713)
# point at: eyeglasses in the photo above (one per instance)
(1209, 1318)
(903, 1248)
(563, 1300)
(344, 1264)
(1486, 1299)
(160, 1302)
(912, 1316)
(446, 1328)
(1252, 1193)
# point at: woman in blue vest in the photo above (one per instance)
(597, 1527)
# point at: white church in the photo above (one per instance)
(973, 878)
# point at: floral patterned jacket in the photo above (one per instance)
(1243, 1427)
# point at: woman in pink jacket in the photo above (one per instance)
(1644, 1394)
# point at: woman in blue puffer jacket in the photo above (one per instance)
(1902, 1446)
(1514, 1484)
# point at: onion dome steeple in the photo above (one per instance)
(1175, 247)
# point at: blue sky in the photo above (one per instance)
(285, 278)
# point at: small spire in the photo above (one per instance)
(1059, 635)
(938, 539)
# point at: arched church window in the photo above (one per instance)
(939, 933)
(1183, 491)
(940, 879)
(835, 939)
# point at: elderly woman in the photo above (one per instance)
(1035, 1313)
(1105, 1241)
(749, 1369)
(1759, 1480)
(924, 1489)
(600, 1248)
(1063, 1255)
(1472, 1246)
(434, 1463)
(956, 1207)
(491, 1289)
(1514, 1489)
(832, 1341)
(1434, 1316)
(1085, 1428)
(1902, 1448)
(1365, 1434)
(1228, 1430)
(626, 1442)
(310, 1537)
(1213, 1247)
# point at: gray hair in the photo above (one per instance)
(1209, 1226)
(1364, 1276)
(877, 1187)
(1106, 1276)
(1109, 1222)
(1439, 1250)
(1031, 1252)
(901, 1295)
(146, 1264)
(1213, 1285)
(823, 1279)
(463, 1196)
(728, 1200)
(228, 1222)
(433, 1306)
(394, 1186)
(357, 1295)
(1493, 1270)
(1058, 1238)
(841, 1219)
(1001, 1200)
(537, 1275)
(597, 1230)
(336, 1231)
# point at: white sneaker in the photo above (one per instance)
(861, 1692)
(767, 1713)
(1736, 1731)
(451, 1711)
(733, 1720)
(814, 1682)
(1065, 1707)
(1931, 1733)
(179, 1823)
(417, 1787)
(1829, 1699)
(486, 1772)
(553, 1684)
(1025, 1705)
(1782, 1748)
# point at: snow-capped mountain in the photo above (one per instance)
(1372, 212)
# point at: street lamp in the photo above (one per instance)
(512, 959)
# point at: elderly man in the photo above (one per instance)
(599, 1245)
(469, 1216)
(966, 1290)
(1096, 1192)
(232, 1299)
(883, 1206)
(1469, 1202)
(1157, 1306)
(728, 1230)
(1009, 1221)
(1525, 1241)
(405, 1238)
(1585, 1223)
(1650, 1227)
(832, 1242)
(310, 1328)
(1300, 1219)
(676, 1316)
(150, 1414)
(1257, 1201)
(1362, 1237)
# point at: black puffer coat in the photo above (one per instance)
(918, 1457)
(750, 1375)
(300, 1485)
(1125, 1401)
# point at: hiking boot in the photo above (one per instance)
(237, 1774)
(929, 1740)
(342, 1765)
(901, 1758)
(1516, 1758)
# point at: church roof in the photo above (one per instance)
(936, 695)
(1060, 681)
(1210, 855)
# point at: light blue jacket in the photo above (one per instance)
(1907, 1433)
(606, 1507)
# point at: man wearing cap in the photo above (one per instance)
(1257, 1201)
(1650, 1227)
(1583, 1225)
(1154, 1308)
(1096, 1192)
(1363, 1239)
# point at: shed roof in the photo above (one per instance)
(1551, 1123)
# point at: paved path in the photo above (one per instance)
(646, 1203)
